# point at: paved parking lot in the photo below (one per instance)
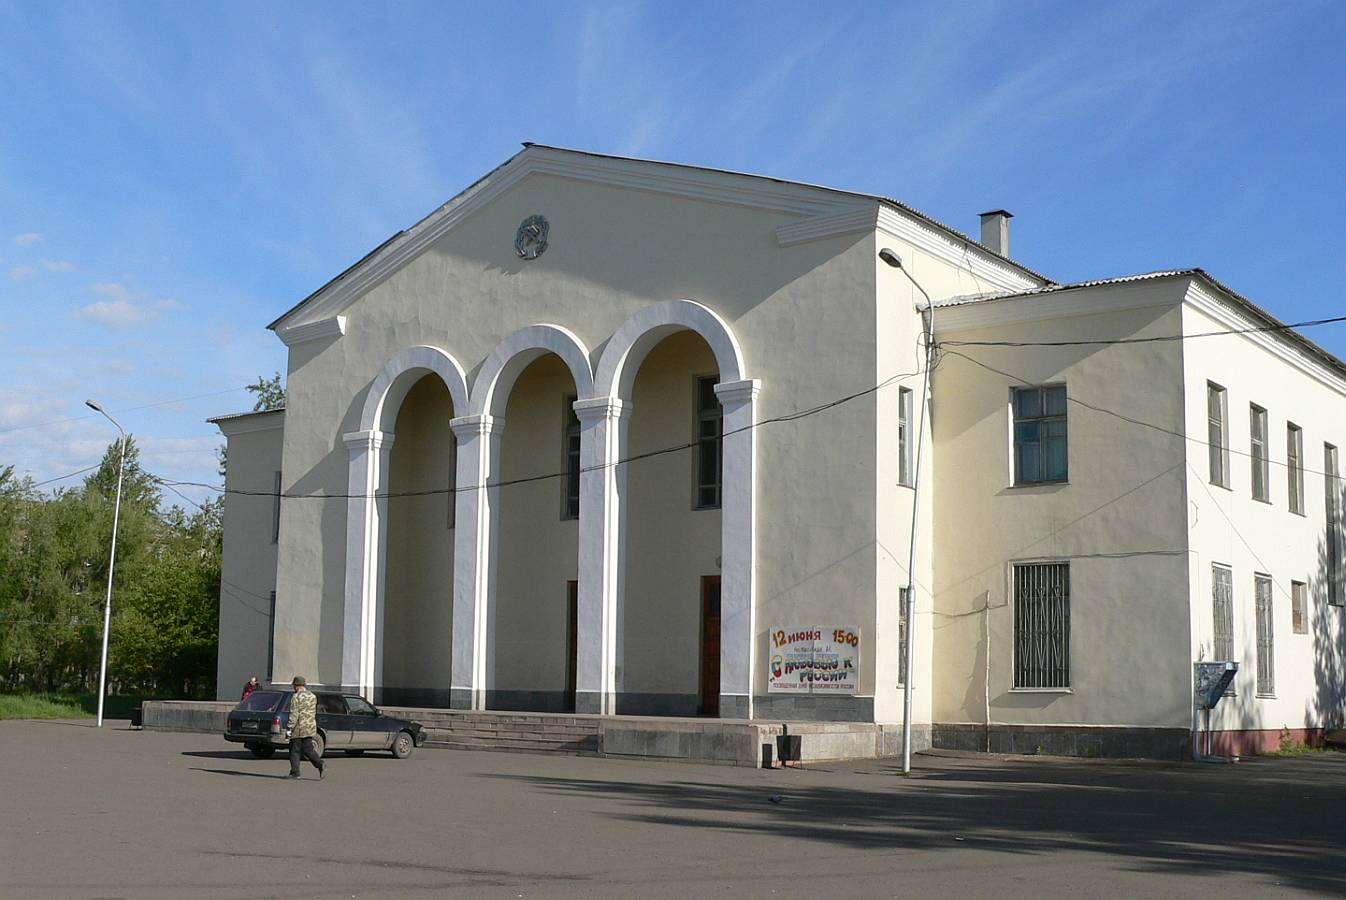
(118, 813)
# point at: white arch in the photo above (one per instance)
(492, 386)
(404, 370)
(638, 335)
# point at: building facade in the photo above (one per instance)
(600, 434)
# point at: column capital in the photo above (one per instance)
(368, 440)
(738, 391)
(465, 427)
(591, 409)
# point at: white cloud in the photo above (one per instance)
(28, 239)
(22, 273)
(169, 303)
(58, 265)
(116, 313)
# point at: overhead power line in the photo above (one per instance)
(1156, 339)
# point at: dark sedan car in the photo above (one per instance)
(345, 722)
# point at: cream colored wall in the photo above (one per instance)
(1229, 527)
(248, 567)
(418, 592)
(611, 253)
(538, 550)
(1121, 521)
(670, 545)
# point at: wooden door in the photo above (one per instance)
(572, 639)
(710, 645)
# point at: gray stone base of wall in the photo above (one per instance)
(1066, 740)
(814, 708)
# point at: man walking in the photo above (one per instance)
(303, 727)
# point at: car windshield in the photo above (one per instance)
(263, 701)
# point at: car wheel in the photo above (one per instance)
(355, 753)
(319, 744)
(262, 751)
(403, 744)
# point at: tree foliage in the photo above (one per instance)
(54, 556)
(269, 392)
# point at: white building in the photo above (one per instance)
(500, 482)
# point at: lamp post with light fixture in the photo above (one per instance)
(112, 556)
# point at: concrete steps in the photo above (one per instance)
(513, 732)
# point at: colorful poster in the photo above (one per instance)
(813, 661)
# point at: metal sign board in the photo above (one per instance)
(1212, 679)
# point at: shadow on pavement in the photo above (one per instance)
(1280, 819)
(238, 773)
(221, 754)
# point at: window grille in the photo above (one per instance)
(1042, 625)
(1266, 661)
(1258, 430)
(570, 500)
(1299, 607)
(904, 442)
(1332, 538)
(1040, 452)
(709, 443)
(1294, 455)
(275, 512)
(901, 635)
(1222, 595)
(1215, 435)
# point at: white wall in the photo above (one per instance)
(248, 566)
(1229, 527)
(1120, 521)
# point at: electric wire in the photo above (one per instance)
(1155, 339)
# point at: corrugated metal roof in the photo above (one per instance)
(243, 415)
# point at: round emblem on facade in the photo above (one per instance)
(531, 240)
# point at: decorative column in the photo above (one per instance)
(366, 550)
(601, 491)
(738, 537)
(478, 458)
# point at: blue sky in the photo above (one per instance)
(174, 176)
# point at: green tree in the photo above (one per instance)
(269, 392)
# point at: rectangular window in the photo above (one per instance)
(904, 443)
(1266, 661)
(1042, 625)
(1299, 607)
(1257, 417)
(271, 639)
(1222, 598)
(709, 443)
(1294, 458)
(1332, 537)
(275, 512)
(570, 499)
(901, 635)
(1040, 454)
(1216, 434)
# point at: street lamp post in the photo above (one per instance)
(112, 556)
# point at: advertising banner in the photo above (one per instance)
(814, 660)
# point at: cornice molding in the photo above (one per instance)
(969, 254)
(1226, 314)
(312, 331)
(817, 228)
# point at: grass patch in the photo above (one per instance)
(1291, 747)
(64, 706)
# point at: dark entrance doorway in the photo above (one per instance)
(572, 640)
(710, 645)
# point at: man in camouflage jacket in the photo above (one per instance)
(303, 727)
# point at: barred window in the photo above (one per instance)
(904, 442)
(1216, 434)
(709, 443)
(1266, 660)
(1257, 417)
(1294, 456)
(902, 632)
(570, 498)
(1040, 453)
(1042, 625)
(1222, 597)
(1299, 607)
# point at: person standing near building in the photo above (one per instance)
(303, 727)
(248, 688)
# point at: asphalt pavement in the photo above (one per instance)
(121, 813)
